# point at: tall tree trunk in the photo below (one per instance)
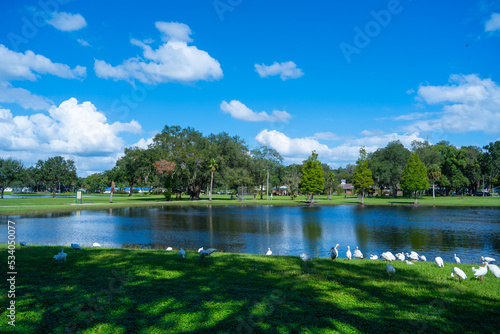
(362, 198)
(54, 190)
(211, 184)
(261, 190)
(312, 199)
(2, 192)
(111, 197)
(433, 192)
(415, 197)
(131, 190)
(331, 187)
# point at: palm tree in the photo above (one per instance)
(331, 178)
(434, 173)
(213, 166)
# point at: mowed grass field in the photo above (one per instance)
(17, 206)
(103, 290)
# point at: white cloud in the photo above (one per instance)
(23, 97)
(412, 116)
(28, 66)
(172, 61)
(298, 149)
(67, 21)
(144, 143)
(493, 23)
(83, 42)
(286, 70)
(240, 111)
(470, 104)
(75, 130)
(326, 136)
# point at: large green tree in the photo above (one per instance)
(265, 160)
(57, 171)
(362, 178)
(10, 170)
(312, 180)
(414, 176)
(129, 166)
(291, 179)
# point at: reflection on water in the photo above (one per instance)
(286, 230)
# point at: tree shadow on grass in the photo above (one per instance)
(135, 291)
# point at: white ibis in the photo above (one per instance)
(481, 271)
(388, 256)
(408, 262)
(76, 247)
(423, 258)
(204, 253)
(494, 270)
(357, 253)
(373, 257)
(439, 261)
(348, 253)
(390, 270)
(305, 257)
(61, 257)
(200, 249)
(457, 259)
(334, 252)
(169, 249)
(24, 244)
(95, 244)
(182, 254)
(413, 256)
(487, 259)
(400, 256)
(269, 252)
(457, 272)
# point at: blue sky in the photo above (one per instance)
(84, 80)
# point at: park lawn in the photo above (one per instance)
(103, 290)
(19, 206)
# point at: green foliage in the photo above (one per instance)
(56, 171)
(362, 178)
(414, 176)
(10, 171)
(312, 180)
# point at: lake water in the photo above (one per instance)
(468, 232)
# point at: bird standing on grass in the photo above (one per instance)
(439, 262)
(95, 244)
(390, 270)
(76, 247)
(481, 271)
(388, 256)
(413, 255)
(400, 256)
(61, 257)
(200, 249)
(487, 259)
(457, 259)
(204, 253)
(305, 257)
(24, 244)
(457, 272)
(373, 257)
(182, 254)
(494, 270)
(169, 249)
(334, 252)
(269, 251)
(357, 253)
(423, 258)
(408, 262)
(348, 253)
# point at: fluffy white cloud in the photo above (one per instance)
(25, 66)
(72, 129)
(470, 104)
(23, 97)
(240, 111)
(286, 70)
(67, 21)
(298, 149)
(83, 42)
(493, 23)
(172, 61)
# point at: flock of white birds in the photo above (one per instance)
(334, 253)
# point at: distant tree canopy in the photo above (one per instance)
(414, 176)
(179, 160)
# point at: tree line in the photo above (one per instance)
(183, 160)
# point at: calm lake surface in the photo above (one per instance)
(468, 232)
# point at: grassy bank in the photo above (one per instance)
(152, 291)
(17, 206)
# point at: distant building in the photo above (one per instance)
(348, 188)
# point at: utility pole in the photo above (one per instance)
(267, 188)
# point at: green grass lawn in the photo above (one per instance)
(17, 206)
(152, 291)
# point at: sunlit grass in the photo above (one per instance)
(104, 290)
